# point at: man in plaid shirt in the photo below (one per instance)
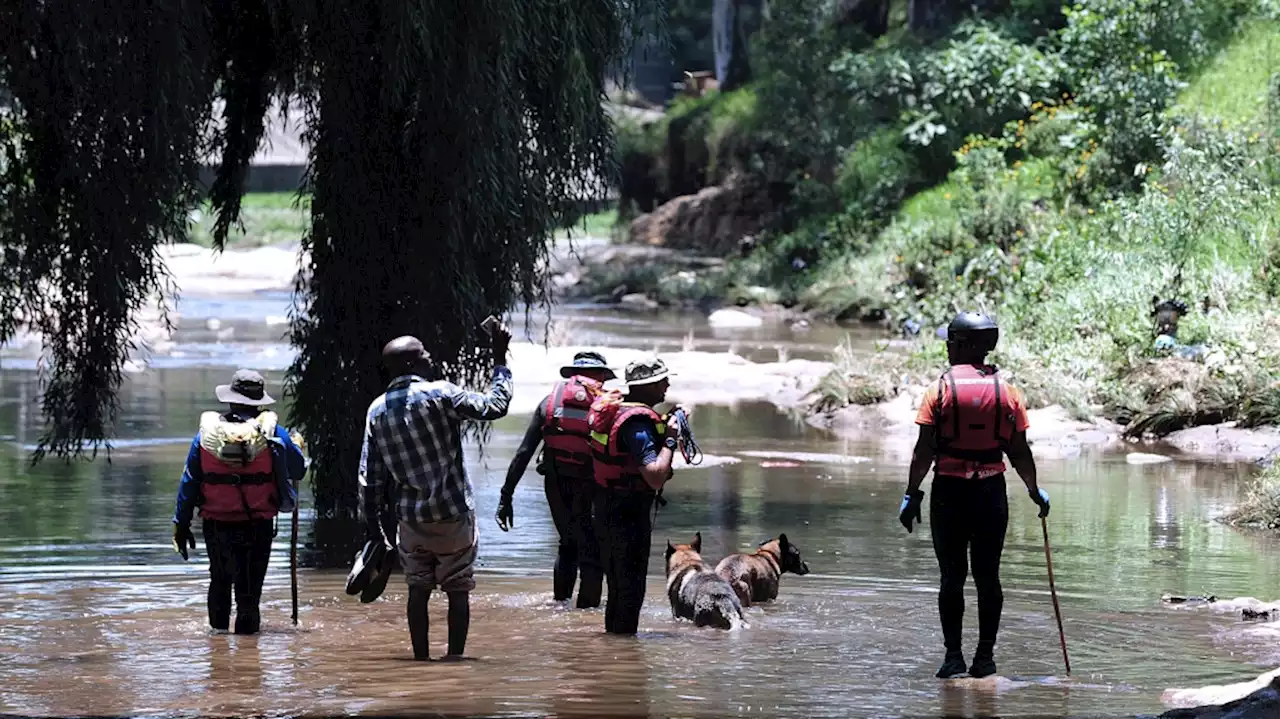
(412, 460)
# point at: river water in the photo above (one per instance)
(101, 618)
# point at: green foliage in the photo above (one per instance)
(99, 155)
(1234, 86)
(1125, 57)
(462, 132)
(808, 112)
(1261, 507)
(266, 218)
(876, 175)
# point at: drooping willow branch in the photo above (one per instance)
(448, 139)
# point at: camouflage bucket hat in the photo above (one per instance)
(647, 371)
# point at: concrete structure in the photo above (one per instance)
(281, 159)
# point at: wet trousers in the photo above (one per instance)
(625, 530)
(570, 500)
(238, 554)
(968, 519)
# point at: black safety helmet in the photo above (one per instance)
(974, 329)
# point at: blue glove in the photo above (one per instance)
(910, 509)
(1041, 498)
(1165, 343)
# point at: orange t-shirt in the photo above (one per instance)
(1014, 405)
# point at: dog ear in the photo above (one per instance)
(1155, 302)
(670, 549)
(782, 541)
(697, 542)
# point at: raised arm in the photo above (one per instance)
(487, 406)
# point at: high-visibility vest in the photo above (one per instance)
(613, 465)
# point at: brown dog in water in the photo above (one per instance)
(754, 577)
(696, 592)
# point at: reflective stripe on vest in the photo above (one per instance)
(564, 430)
(970, 418)
(614, 466)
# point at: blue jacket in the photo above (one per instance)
(286, 460)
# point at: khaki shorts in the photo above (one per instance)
(440, 554)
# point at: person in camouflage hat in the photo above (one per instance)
(632, 448)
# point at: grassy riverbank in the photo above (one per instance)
(1071, 272)
(1261, 508)
(273, 218)
(1057, 174)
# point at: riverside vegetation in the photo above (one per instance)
(1055, 166)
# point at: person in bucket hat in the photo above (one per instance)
(559, 424)
(588, 364)
(632, 448)
(240, 473)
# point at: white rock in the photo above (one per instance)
(1140, 458)
(733, 318)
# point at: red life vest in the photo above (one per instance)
(565, 430)
(975, 420)
(236, 461)
(613, 465)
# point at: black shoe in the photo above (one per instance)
(952, 666)
(984, 665)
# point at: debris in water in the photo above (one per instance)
(1265, 615)
(819, 457)
(1175, 599)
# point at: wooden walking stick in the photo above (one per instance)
(293, 553)
(1048, 560)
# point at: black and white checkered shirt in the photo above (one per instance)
(413, 447)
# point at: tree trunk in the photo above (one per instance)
(732, 68)
(930, 19)
(870, 15)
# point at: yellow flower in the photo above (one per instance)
(946, 195)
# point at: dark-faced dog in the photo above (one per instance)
(754, 577)
(696, 592)
(1167, 314)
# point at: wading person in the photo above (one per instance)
(412, 459)
(968, 422)
(632, 450)
(240, 473)
(560, 422)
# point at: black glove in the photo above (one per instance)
(909, 510)
(1041, 498)
(506, 513)
(183, 539)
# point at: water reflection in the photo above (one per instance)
(102, 618)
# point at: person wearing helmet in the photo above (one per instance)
(968, 422)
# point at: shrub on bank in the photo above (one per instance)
(1073, 288)
(1261, 507)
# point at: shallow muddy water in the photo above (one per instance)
(100, 617)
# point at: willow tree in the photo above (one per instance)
(449, 139)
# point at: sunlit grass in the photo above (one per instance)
(1234, 86)
(269, 218)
